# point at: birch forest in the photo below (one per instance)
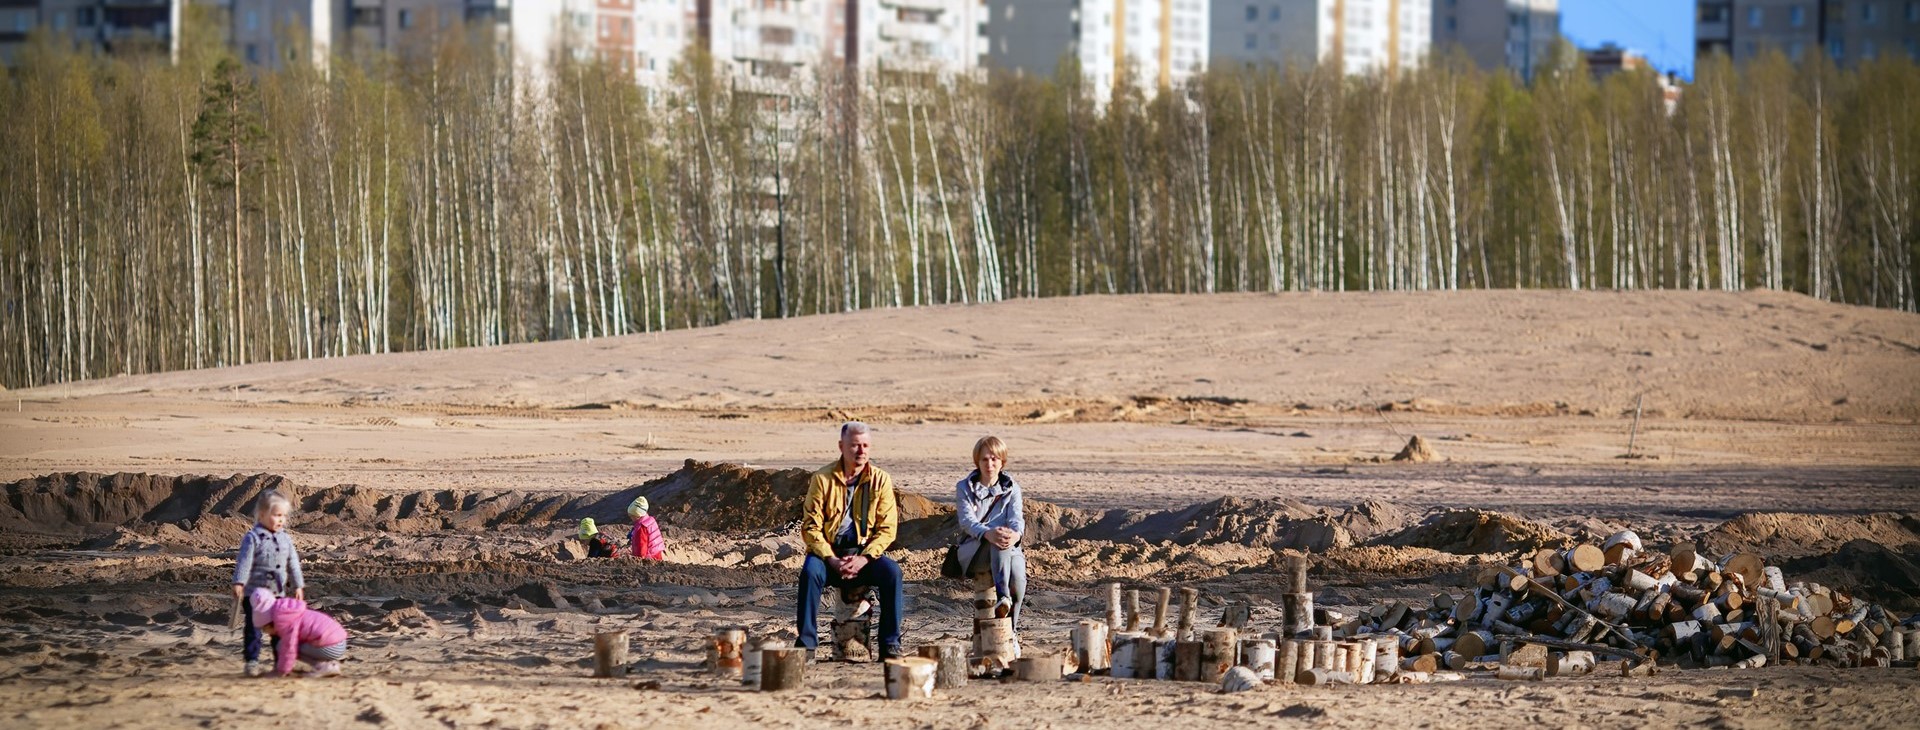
(159, 216)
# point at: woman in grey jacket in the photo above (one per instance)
(991, 516)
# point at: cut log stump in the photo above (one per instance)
(610, 654)
(910, 677)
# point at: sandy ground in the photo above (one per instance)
(1749, 403)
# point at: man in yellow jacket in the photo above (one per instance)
(848, 520)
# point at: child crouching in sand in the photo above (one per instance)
(302, 632)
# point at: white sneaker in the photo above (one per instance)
(325, 669)
(252, 670)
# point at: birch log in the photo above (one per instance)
(1296, 613)
(1186, 661)
(1258, 655)
(951, 660)
(1133, 610)
(1038, 668)
(994, 645)
(782, 669)
(1287, 656)
(723, 652)
(1189, 602)
(1217, 652)
(610, 654)
(1091, 652)
(910, 677)
(1124, 661)
(1160, 611)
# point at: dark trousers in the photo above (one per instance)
(251, 649)
(881, 573)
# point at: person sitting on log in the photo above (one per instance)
(848, 521)
(992, 519)
(598, 545)
(645, 538)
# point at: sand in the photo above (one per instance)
(1172, 440)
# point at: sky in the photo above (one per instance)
(1661, 29)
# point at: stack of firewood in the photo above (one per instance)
(1616, 600)
(1555, 612)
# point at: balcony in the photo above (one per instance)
(756, 17)
(931, 6)
(923, 32)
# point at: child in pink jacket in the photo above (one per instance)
(308, 634)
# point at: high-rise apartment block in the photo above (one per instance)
(1151, 44)
(113, 26)
(1515, 35)
(1847, 31)
(1357, 36)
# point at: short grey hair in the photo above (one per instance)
(854, 428)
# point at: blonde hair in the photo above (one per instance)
(266, 502)
(990, 445)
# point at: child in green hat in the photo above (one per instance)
(598, 545)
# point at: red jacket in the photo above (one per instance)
(645, 539)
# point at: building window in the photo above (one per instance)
(1253, 13)
(1867, 50)
(1837, 49)
(1453, 26)
(1870, 13)
(1913, 12)
(1274, 14)
(406, 19)
(253, 53)
(1796, 49)
(1756, 17)
(253, 21)
(1253, 41)
(1798, 16)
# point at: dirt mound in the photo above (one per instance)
(1373, 518)
(1276, 524)
(1417, 451)
(1782, 534)
(1224, 520)
(1467, 531)
(87, 503)
(1883, 574)
(721, 497)
(217, 510)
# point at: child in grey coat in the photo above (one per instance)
(266, 560)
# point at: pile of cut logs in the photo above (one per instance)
(1556, 612)
(1616, 600)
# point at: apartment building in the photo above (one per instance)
(112, 26)
(1358, 36)
(1847, 31)
(1152, 44)
(1515, 35)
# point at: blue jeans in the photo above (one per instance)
(881, 573)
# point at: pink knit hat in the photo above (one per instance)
(262, 601)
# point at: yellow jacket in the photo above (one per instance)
(876, 516)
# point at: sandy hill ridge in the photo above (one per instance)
(1753, 355)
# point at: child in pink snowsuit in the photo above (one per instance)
(645, 538)
(308, 634)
